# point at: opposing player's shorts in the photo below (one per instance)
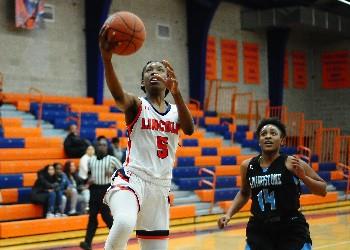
(289, 233)
(153, 202)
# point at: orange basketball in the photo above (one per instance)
(127, 30)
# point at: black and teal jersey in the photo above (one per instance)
(275, 191)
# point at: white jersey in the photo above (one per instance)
(152, 144)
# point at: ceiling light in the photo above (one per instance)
(345, 1)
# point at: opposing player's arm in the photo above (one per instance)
(185, 117)
(241, 198)
(309, 177)
(124, 101)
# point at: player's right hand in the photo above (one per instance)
(105, 45)
(222, 222)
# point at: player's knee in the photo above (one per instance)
(124, 222)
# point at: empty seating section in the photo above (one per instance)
(24, 151)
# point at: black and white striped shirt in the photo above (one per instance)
(102, 170)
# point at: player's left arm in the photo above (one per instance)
(309, 177)
(185, 117)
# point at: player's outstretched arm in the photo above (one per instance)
(186, 120)
(124, 101)
(309, 177)
(241, 198)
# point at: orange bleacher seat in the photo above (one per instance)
(202, 161)
(119, 117)
(11, 122)
(205, 195)
(197, 134)
(29, 166)
(9, 195)
(89, 108)
(14, 97)
(107, 132)
(71, 223)
(241, 158)
(227, 170)
(314, 165)
(337, 175)
(43, 142)
(184, 211)
(32, 153)
(29, 179)
(311, 199)
(20, 212)
(210, 142)
(225, 205)
(188, 151)
(109, 102)
(212, 120)
(197, 113)
(249, 135)
(123, 142)
(23, 106)
(229, 151)
(13, 132)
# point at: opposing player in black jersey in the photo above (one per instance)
(272, 181)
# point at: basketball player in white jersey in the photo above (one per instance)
(139, 192)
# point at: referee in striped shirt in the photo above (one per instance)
(101, 169)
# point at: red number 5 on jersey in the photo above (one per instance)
(162, 145)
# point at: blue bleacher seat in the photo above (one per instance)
(185, 161)
(190, 142)
(304, 189)
(325, 175)
(239, 136)
(89, 134)
(226, 119)
(314, 158)
(340, 184)
(225, 194)
(24, 195)
(242, 128)
(63, 123)
(11, 143)
(191, 183)
(1, 133)
(327, 166)
(86, 116)
(228, 160)
(189, 172)
(11, 180)
(209, 151)
(289, 150)
(226, 181)
(114, 110)
(210, 113)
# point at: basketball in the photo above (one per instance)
(127, 30)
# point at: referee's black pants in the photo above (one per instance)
(96, 205)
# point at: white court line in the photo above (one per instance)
(331, 245)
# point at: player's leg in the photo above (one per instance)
(153, 224)
(124, 207)
(258, 236)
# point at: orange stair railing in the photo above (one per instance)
(240, 107)
(343, 149)
(295, 125)
(209, 183)
(281, 112)
(311, 127)
(258, 110)
(326, 144)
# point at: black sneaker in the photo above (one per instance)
(85, 246)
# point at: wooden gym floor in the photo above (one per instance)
(330, 229)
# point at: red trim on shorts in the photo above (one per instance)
(129, 128)
(133, 191)
(144, 237)
(123, 177)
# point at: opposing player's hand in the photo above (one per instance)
(298, 168)
(105, 45)
(222, 222)
(171, 82)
